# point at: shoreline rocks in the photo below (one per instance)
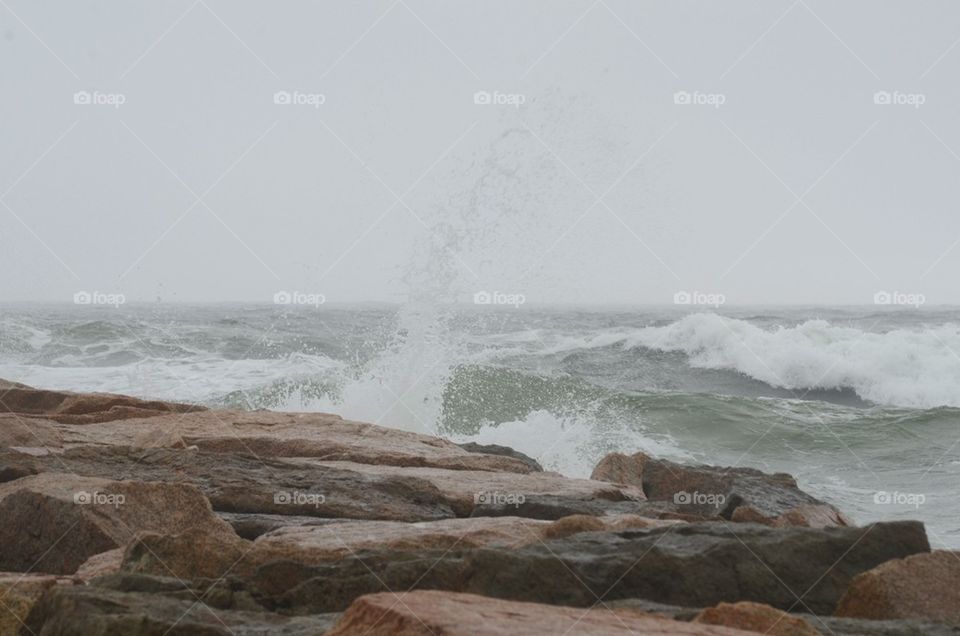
(244, 483)
(756, 617)
(734, 493)
(444, 612)
(685, 564)
(54, 522)
(267, 434)
(68, 407)
(923, 586)
(121, 515)
(197, 554)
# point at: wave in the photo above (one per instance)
(571, 445)
(916, 368)
(209, 379)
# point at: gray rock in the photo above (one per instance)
(735, 493)
(153, 606)
(246, 484)
(82, 408)
(694, 565)
(505, 451)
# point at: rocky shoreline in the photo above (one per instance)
(126, 516)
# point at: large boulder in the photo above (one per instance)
(319, 435)
(121, 420)
(81, 408)
(618, 468)
(734, 493)
(239, 483)
(694, 565)
(54, 522)
(152, 606)
(427, 613)
(193, 554)
(756, 617)
(487, 493)
(921, 586)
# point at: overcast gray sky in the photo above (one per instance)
(594, 181)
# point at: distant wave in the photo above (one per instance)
(917, 368)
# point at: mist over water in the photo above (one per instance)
(853, 401)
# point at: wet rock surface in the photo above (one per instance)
(245, 484)
(734, 493)
(922, 586)
(82, 408)
(497, 449)
(686, 564)
(153, 606)
(756, 617)
(128, 516)
(54, 522)
(196, 554)
(463, 614)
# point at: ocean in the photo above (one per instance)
(861, 405)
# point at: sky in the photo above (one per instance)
(593, 152)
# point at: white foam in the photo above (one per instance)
(912, 368)
(403, 386)
(192, 380)
(571, 446)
